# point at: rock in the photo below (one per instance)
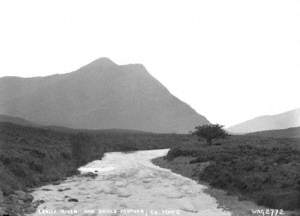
(124, 195)
(37, 203)
(13, 198)
(20, 202)
(73, 200)
(20, 194)
(56, 183)
(65, 189)
(89, 174)
(26, 197)
(46, 189)
(188, 207)
(30, 209)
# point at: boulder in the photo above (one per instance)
(73, 200)
(56, 183)
(26, 197)
(46, 189)
(89, 174)
(64, 189)
(29, 209)
(20, 194)
(13, 198)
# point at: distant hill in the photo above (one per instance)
(283, 133)
(100, 95)
(16, 120)
(270, 122)
(22, 122)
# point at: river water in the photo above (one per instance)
(127, 184)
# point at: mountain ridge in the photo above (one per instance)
(278, 121)
(292, 132)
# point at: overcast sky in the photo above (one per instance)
(230, 60)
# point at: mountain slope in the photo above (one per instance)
(100, 95)
(16, 120)
(271, 122)
(293, 132)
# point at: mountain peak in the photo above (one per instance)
(104, 61)
(100, 63)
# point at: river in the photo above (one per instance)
(127, 184)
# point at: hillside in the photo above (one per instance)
(260, 169)
(16, 120)
(100, 95)
(283, 133)
(270, 122)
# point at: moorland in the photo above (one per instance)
(263, 169)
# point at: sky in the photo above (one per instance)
(230, 60)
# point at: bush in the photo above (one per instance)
(177, 152)
(210, 132)
(36, 167)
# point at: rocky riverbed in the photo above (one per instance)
(127, 184)
(18, 203)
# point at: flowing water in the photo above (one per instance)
(127, 184)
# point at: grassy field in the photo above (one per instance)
(265, 170)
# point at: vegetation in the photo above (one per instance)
(32, 156)
(265, 170)
(210, 132)
(81, 148)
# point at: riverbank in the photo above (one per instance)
(265, 171)
(181, 165)
(35, 156)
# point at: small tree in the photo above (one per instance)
(210, 132)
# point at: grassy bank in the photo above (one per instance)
(32, 156)
(264, 170)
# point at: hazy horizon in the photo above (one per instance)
(231, 61)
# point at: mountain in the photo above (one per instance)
(100, 95)
(270, 122)
(293, 132)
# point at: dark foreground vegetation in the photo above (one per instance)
(33, 156)
(30, 156)
(265, 170)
